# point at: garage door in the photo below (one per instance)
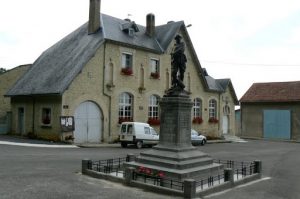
(88, 124)
(277, 124)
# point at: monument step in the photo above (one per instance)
(181, 164)
(174, 156)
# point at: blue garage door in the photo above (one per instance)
(277, 124)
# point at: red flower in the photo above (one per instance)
(213, 120)
(153, 121)
(150, 172)
(161, 174)
(197, 120)
(155, 75)
(125, 119)
(127, 71)
(141, 169)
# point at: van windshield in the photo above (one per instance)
(129, 130)
(147, 130)
(123, 128)
(153, 132)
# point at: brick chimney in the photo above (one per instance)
(150, 25)
(94, 16)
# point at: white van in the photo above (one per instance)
(137, 133)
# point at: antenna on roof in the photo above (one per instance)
(128, 17)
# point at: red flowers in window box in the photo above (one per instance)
(150, 172)
(46, 120)
(153, 121)
(125, 119)
(213, 120)
(126, 71)
(154, 75)
(197, 120)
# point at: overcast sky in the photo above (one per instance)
(245, 40)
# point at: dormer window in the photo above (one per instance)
(130, 28)
(131, 32)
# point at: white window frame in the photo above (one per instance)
(127, 63)
(154, 65)
(125, 105)
(197, 108)
(212, 108)
(153, 108)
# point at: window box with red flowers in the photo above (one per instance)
(127, 71)
(125, 119)
(153, 121)
(197, 120)
(155, 75)
(213, 120)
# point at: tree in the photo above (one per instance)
(2, 70)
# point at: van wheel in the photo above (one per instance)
(124, 144)
(139, 144)
(203, 142)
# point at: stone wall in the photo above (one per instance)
(32, 120)
(252, 118)
(7, 80)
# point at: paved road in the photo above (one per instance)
(35, 172)
(281, 162)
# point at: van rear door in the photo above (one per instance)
(126, 133)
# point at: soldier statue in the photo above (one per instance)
(178, 63)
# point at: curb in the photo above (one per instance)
(218, 141)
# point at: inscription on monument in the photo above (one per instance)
(184, 121)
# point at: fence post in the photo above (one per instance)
(129, 172)
(189, 188)
(130, 157)
(258, 167)
(229, 175)
(85, 165)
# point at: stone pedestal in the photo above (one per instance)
(175, 155)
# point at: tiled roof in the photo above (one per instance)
(220, 85)
(273, 92)
(56, 68)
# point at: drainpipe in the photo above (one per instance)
(219, 124)
(105, 94)
(33, 115)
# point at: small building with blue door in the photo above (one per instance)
(271, 111)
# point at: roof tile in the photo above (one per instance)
(273, 92)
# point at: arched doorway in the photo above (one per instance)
(88, 123)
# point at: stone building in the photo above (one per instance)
(111, 70)
(7, 79)
(271, 110)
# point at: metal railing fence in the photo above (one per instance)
(109, 166)
(158, 181)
